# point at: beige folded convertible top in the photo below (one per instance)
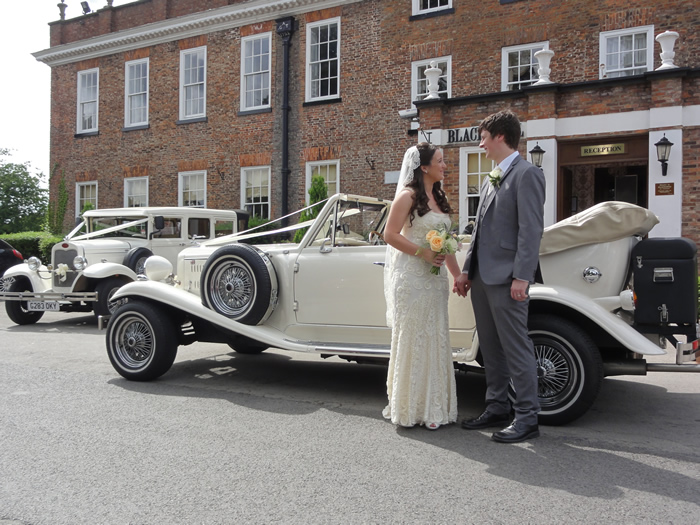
(604, 222)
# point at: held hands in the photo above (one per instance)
(462, 285)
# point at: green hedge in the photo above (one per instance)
(33, 244)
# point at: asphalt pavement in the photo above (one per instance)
(292, 438)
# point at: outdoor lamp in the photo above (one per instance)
(663, 152)
(86, 7)
(537, 154)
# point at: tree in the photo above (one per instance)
(22, 199)
(317, 193)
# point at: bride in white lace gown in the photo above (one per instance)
(420, 382)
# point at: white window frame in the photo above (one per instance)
(183, 88)
(309, 80)
(485, 167)
(532, 48)
(181, 186)
(416, 80)
(605, 35)
(418, 10)
(264, 72)
(127, 193)
(83, 101)
(310, 168)
(244, 182)
(129, 96)
(78, 186)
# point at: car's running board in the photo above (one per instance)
(364, 350)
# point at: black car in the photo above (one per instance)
(8, 257)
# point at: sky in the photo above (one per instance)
(26, 88)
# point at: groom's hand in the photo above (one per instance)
(462, 285)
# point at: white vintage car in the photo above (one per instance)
(105, 251)
(325, 296)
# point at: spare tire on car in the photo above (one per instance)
(239, 282)
(136, 259)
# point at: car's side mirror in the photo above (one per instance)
(324, 248)
(158, 225)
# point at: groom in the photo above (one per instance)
(501, 263)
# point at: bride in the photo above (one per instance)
(420, 382)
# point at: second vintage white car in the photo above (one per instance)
(105, 251)
(325, 296)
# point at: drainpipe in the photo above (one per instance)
(285, 28)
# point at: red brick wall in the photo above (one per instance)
(378, 44)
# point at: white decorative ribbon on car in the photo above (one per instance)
(61, 270)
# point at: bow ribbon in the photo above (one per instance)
(495, 177)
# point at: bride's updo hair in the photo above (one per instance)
(420, 198)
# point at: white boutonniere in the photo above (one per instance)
(495, 177)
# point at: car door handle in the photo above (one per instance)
(379, 263)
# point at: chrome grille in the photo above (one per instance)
(64, 257)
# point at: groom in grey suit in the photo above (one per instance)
(501, 263)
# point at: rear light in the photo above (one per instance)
(18, 255)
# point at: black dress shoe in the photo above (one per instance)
(486, 420)
(516, 433)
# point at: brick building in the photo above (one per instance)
(231, 103)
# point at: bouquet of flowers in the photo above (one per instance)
(442, 242)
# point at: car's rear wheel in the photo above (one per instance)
(246, 345)
(17, 310)
(105, 290)
(569, 369)
(239, 282)
(141, 341)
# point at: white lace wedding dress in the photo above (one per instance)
(421, 381)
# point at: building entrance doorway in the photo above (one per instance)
(585, 181)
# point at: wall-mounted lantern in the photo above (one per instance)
(663, 152)
(537, 154)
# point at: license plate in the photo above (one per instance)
(42, 306)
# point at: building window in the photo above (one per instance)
(329, 170)
(192, 189)
(255, 191)
(626, 52)
(323, 60)
(193, 78)
(474, 168)
(419, 82)
(88, 93)
(255, 72)
(519, 65)
(136, 93)
(85, 197)
(136, 192)
(428, 6)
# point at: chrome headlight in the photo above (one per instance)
(34, 263)
(80, 263)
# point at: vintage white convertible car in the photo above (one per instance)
(325, 296)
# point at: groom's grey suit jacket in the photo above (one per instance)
(509, 225)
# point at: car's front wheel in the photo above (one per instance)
(141, 341)
(569, 369)
(17, 310)
(105, 290)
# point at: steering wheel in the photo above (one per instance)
(375, 238)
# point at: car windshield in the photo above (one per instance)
(95, 224)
